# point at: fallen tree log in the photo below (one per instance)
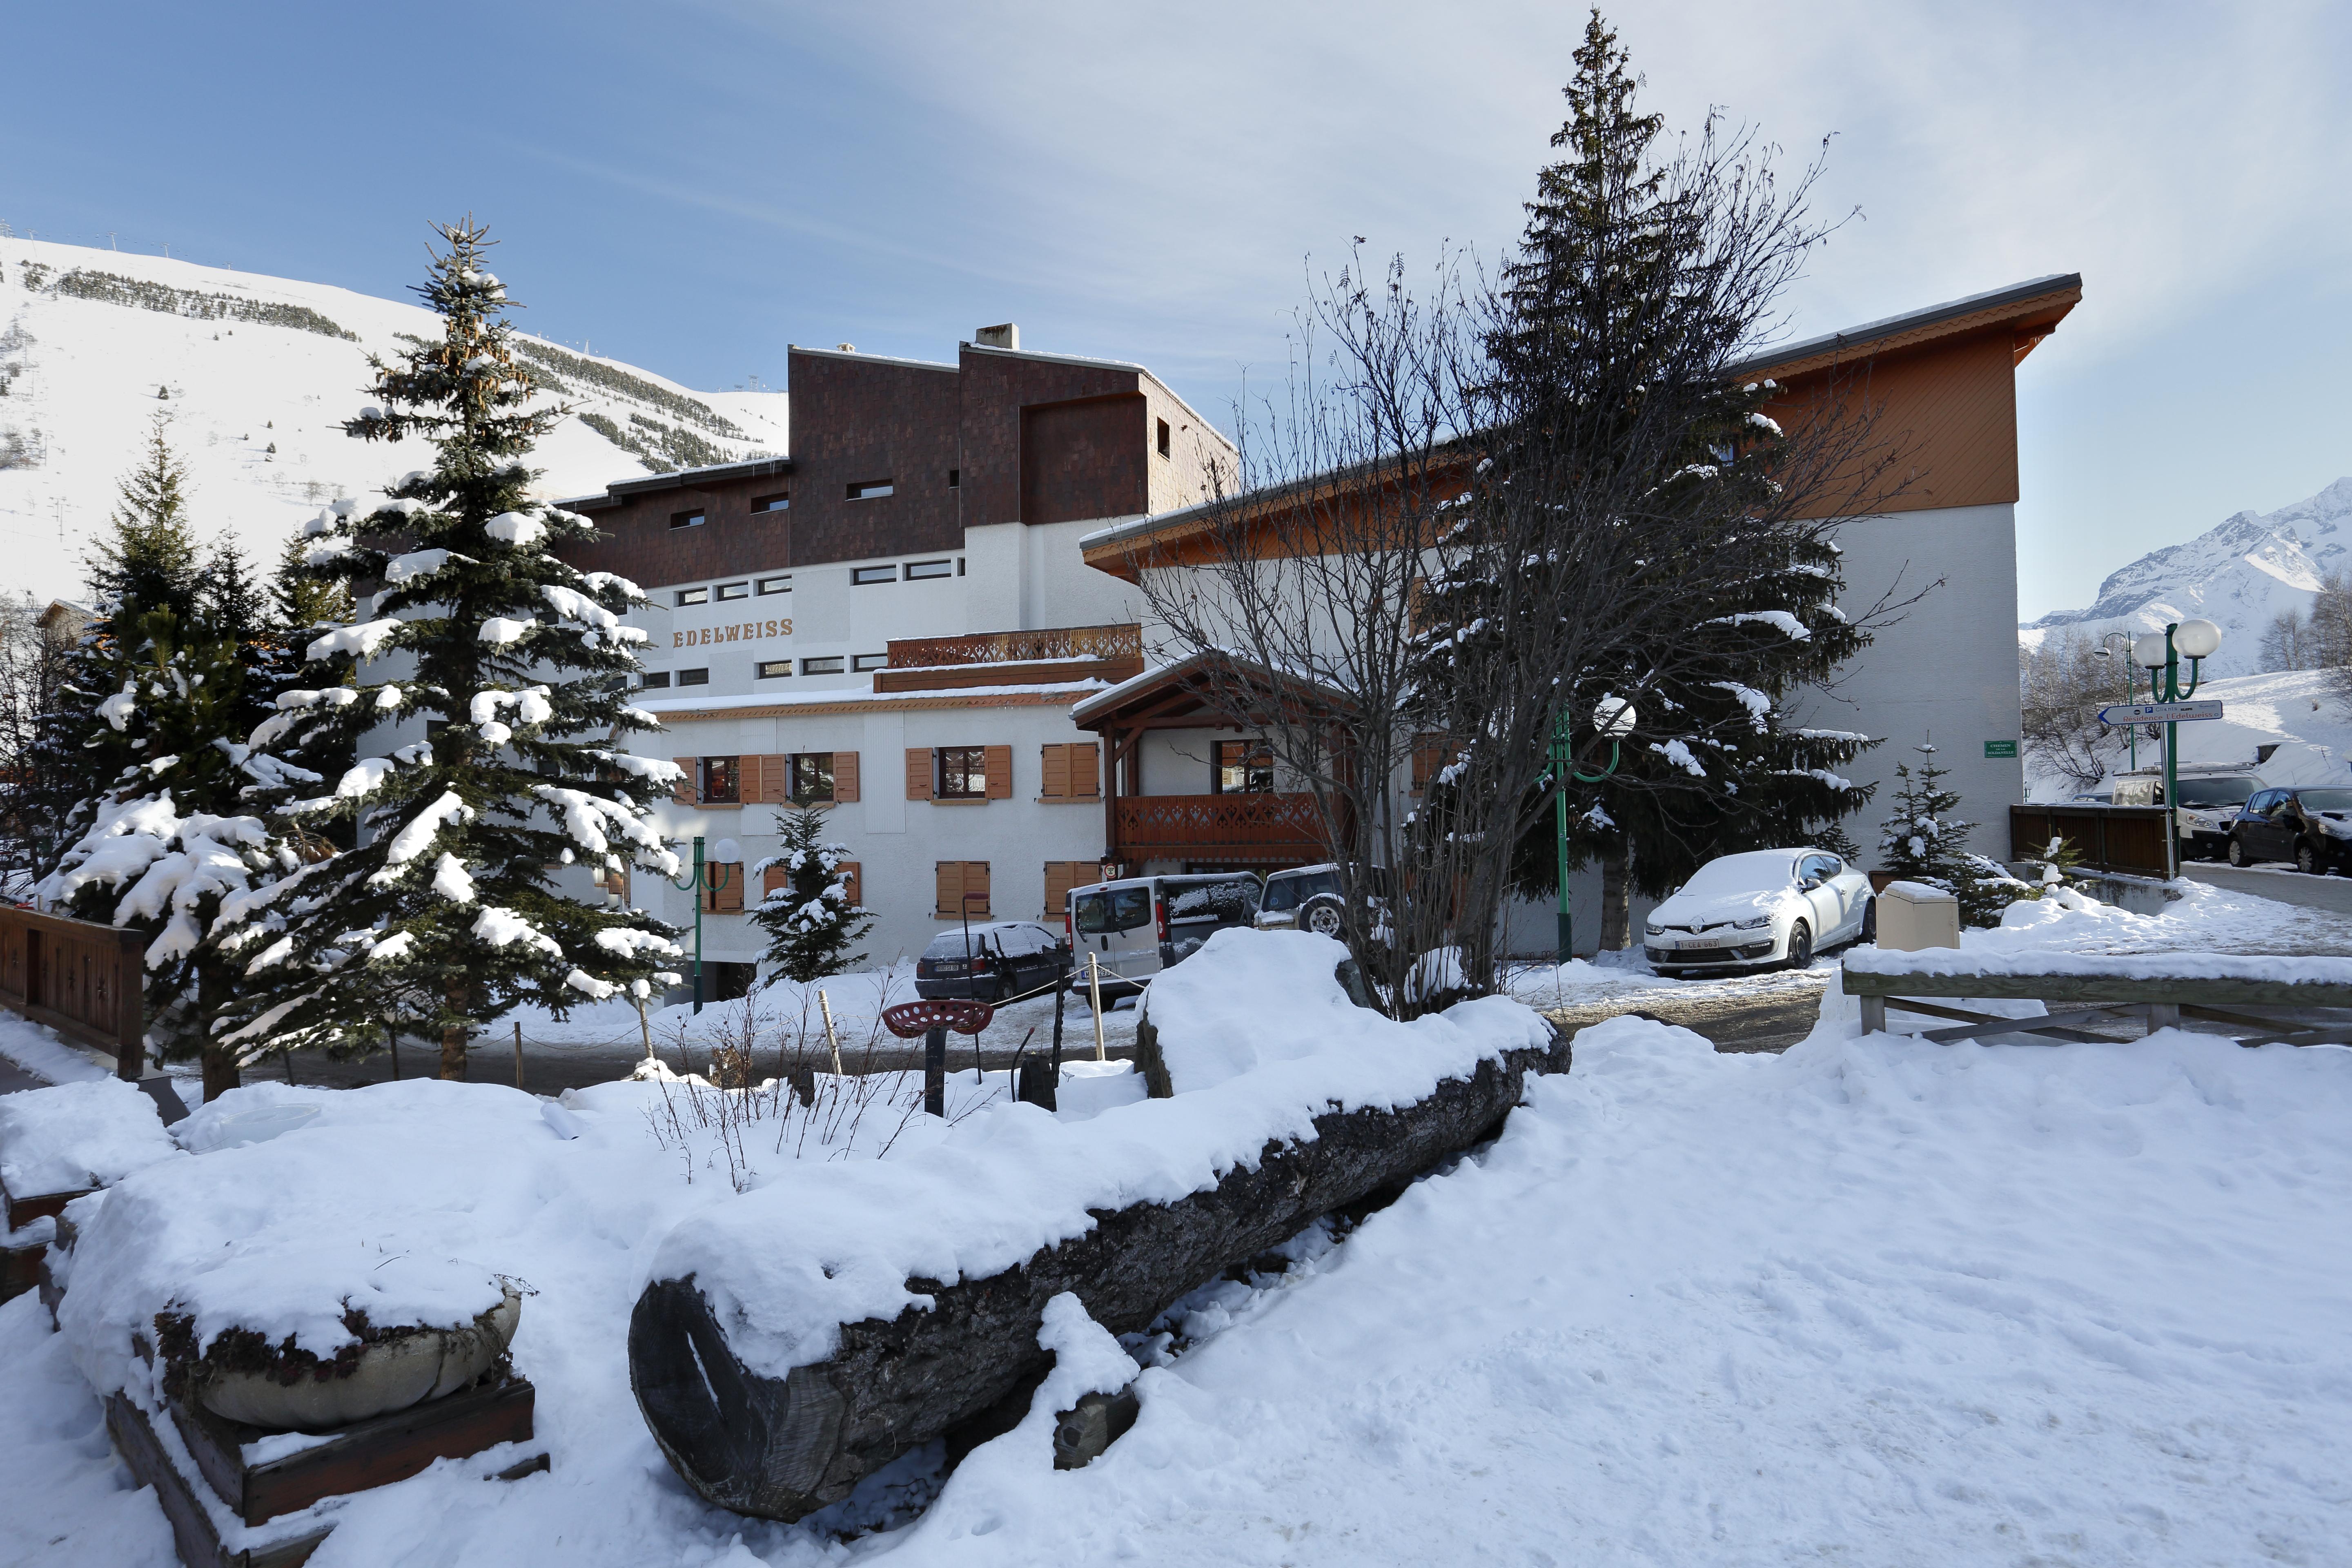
(781, 1447)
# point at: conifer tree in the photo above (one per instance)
(809, 919)
(145, 561)
(174, 837)
(485, 696)
(1924, 842)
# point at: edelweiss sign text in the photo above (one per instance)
(741, 631)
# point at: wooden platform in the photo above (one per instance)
(367, 1454)
(2256, 1012)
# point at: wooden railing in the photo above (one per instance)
(1122, 644)
(2127, 839)
(1217, 826)
(81, 979)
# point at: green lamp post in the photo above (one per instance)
(1614, 717)
(706, 877)
(2196, 641)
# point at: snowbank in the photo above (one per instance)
(784, 1267)
(76, 1136)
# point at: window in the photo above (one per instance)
(1114, 909)
(870, 490)
(1163, 437)
(811, 780)
(722, 782)
(822, 666)
(861, 576)
(955, 478)
(1072, 773)
(772, 668)
(919, 571)
(694, 677)
(772, 503)
(866, 661)
(655, 680)
(694, 596)
(782, 584)
(959, 565)
(686, 519)
(1244, 767)
(962, 888)
(734, 590)
(963, 773)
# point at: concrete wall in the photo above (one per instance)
(1946, 669)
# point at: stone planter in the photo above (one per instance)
(401, 1368)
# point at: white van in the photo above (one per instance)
(1137, 926)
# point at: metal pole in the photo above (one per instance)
(1567, 931)
(935, 1071)
(1094, 1000)
(697, 922)
(518, 1028)
(1061, 991)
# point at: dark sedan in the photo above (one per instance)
(2311, 827)
(995, 962)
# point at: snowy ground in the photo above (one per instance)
(1869, 1300)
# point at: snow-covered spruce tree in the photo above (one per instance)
(174, 837)
(506, 670)
(1925, 842)
(145, 561)
(810, 921)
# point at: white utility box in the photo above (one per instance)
(1913, 915)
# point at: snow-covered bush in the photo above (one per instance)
(809, 918)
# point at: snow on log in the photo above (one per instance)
(795, 1341)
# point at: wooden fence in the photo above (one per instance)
(81, 979)
(2126, 838)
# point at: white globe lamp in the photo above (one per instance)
(1614, 717)
(2147, 650)
(2197, 639)
(727, 852)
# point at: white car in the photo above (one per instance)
(1767, 906)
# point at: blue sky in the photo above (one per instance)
(692, 186)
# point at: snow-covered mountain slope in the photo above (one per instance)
(256, 375)
(2287, 707)
(2238, 574)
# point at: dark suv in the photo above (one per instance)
(2311, 827)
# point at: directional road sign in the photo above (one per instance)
(2159, 712)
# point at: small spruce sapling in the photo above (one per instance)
(1925, 842)
(809, 918)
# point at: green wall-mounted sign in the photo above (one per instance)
(2001, 748)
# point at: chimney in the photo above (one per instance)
(1007, 336)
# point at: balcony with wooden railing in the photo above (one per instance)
(1047, 657)
(1255, 828)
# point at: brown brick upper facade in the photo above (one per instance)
(894, 456)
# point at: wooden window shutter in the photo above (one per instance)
(727, 897)
(919, 777)
(771, 878)
(855, 887)
(949, 875)
(998, 761)
(1061, 876)
(957, 880)
(1055, 763)
(687, 788)
(1086, 771)
(845, 777)
(775, 779)
(1428, 756)
(975, 880)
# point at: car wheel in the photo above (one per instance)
(2305, 861)
(1325, 916)
(1870, 921)
(2237, 850)
(1801, 945)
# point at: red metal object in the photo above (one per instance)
(909, 1019)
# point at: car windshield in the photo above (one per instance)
(2216, 792)
(1289, 893)
(2326, 799)
(1760, 870)
(1112, 909)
